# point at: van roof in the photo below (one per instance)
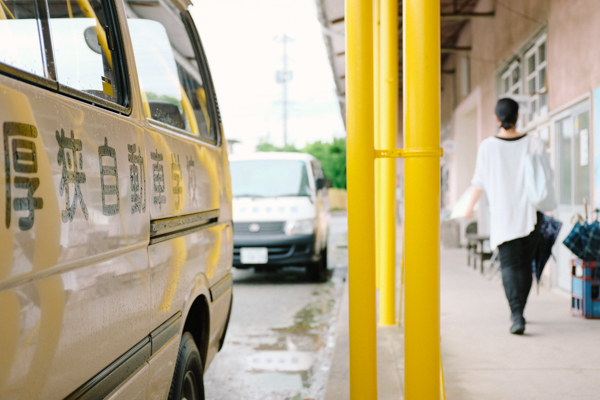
(273, 155)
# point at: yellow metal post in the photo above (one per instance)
(386, 240)
(421, 24)
(379, 234)
(361, 199)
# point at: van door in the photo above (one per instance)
(75, 292)
(190, 201)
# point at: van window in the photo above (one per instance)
(173, 87)
(20, 45)
(84, 47)
(269, 178)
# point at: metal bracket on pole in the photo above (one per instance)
(405, 153)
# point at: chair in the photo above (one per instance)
(475, 246)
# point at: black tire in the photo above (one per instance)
(188, 379)
(318, 271)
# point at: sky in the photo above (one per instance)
(239, 39)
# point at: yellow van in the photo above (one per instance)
(116, 246)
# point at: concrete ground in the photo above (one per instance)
(557, 358)
(280, 337)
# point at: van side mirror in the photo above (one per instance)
(327, 182)
(319, 183)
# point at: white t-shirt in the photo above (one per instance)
(500, 173)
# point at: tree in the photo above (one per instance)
(332, 157)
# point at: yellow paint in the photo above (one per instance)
(10, 315)
(361, 201)
(145, 103)
(421, 24)
(201, 94)
(214, 255)
(107, 88)
(45, 254)
(88, 11)
(387, 180)
(188, 110)
(5, 8)
(379, 233)
(69, 9)
(442, 390)
(178, 259)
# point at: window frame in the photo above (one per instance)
(521, 58)
(535, 96)
(204, 72)
(122, 72)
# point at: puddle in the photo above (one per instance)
(287, 361)
(311, 325)
(297, 357)
(275, 381)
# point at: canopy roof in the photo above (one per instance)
(455, 15)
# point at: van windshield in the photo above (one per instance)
(269, 178)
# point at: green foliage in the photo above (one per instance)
(163, 97)
(264, 145)
(332, 157)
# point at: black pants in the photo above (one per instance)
(516, 257)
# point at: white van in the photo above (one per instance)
(280, 212)
(116, 243)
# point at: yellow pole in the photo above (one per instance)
(386, 240)
(421, 24)
(361, 200)
(379, 234)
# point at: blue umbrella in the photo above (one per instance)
(576, 241)
(591, 250)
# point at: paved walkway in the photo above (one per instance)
(557, 358)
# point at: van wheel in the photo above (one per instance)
(188, 379)
(318, 271)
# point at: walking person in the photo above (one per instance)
(515, 223)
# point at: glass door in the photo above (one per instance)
(572, 175)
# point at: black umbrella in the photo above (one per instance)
(549, 233)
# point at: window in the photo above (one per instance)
(84, 47)
(173, 84)
(20, 45)
(524, 79)
(536, 79)
(73, 43)
(511, 79)
(286, 178)
(574, 160)
(511, 83)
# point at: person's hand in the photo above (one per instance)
(469, 213)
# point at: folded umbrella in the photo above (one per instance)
(591, 251)
(577, 239)
(549, 232)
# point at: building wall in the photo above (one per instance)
(573, 72)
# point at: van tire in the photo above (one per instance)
(188, 379)
(318, 272)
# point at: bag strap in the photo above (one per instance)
(535, 145)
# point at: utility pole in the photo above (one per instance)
(283, 76)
